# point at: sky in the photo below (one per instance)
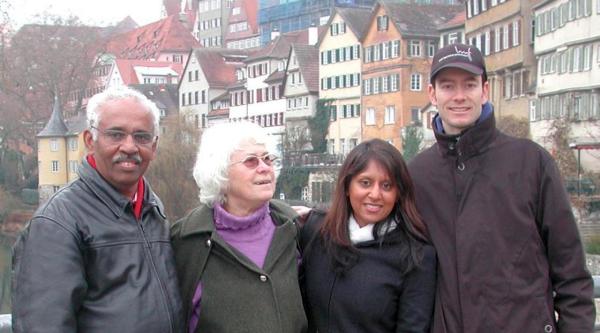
(92, 12)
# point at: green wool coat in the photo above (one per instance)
(237, 295)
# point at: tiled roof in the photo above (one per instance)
(56, 125)
(248, 12)
(217, 65)
(223, 97)
(76, 124)
(163, 95)
(275, 77)
(308, 62)
(147, 42)
(127, 68)
(237, 85)
(357, 19)
(420, 20)
(279, 48)
(457, 21)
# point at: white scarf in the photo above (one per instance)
(359, 234)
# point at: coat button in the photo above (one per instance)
(263, 278)
(548, 329)
(208, 243)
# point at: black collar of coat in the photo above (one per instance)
(469, 142)
(107, 194)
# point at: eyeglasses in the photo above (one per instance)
(116, 136)
(252, 161)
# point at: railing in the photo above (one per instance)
(5, 319)
(313, 160)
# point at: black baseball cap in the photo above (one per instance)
(465, 57)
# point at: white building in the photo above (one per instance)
(567, 48)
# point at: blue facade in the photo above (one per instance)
(292, 15)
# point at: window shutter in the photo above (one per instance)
(510, 35)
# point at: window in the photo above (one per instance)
(389, 116)
(396, 48)
(415, 82)
(177, 58)
(497, 37)
(235, 11)
(382, 23)
(54, 166)
(367, 86)
(333, 113)
(73, 144)
(507, 86)
(516, 33)
(54, 145)
(414, 113)
(375, 85)
(505, 37)
(72, 166)
(453, 38)
(587, 57)
(431, 48)
(394, 78)
(415, 48)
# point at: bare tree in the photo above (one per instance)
(511, 125)
(42, 61)
(297, 139)
(170, 174)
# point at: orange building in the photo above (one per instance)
(397, 51)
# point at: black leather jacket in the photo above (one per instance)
(85, 264)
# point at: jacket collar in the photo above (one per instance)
(200, 220)
(470, 141)
(114, 200)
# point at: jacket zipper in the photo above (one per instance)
(151, 258)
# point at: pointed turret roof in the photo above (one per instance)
(56, 125)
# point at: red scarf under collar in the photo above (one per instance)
(139, 196)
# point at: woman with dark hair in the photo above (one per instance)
(367, 265)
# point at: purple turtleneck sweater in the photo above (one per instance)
(251, 235)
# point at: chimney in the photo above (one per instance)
(274, 33)
(313, 34)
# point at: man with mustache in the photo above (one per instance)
(96, 256)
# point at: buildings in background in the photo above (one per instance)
(567, 50)
(367, 61)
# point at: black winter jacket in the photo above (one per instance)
(373, 296)
(85, 264)
(499, 218)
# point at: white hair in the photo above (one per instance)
(214, 156)
(115, 94)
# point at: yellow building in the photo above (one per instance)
(60, 149)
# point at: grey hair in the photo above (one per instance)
(115, 94)
(214, 156)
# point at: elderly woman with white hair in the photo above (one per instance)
(236, 253)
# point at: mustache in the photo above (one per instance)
(136, 158)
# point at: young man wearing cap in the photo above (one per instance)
(509, 253)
